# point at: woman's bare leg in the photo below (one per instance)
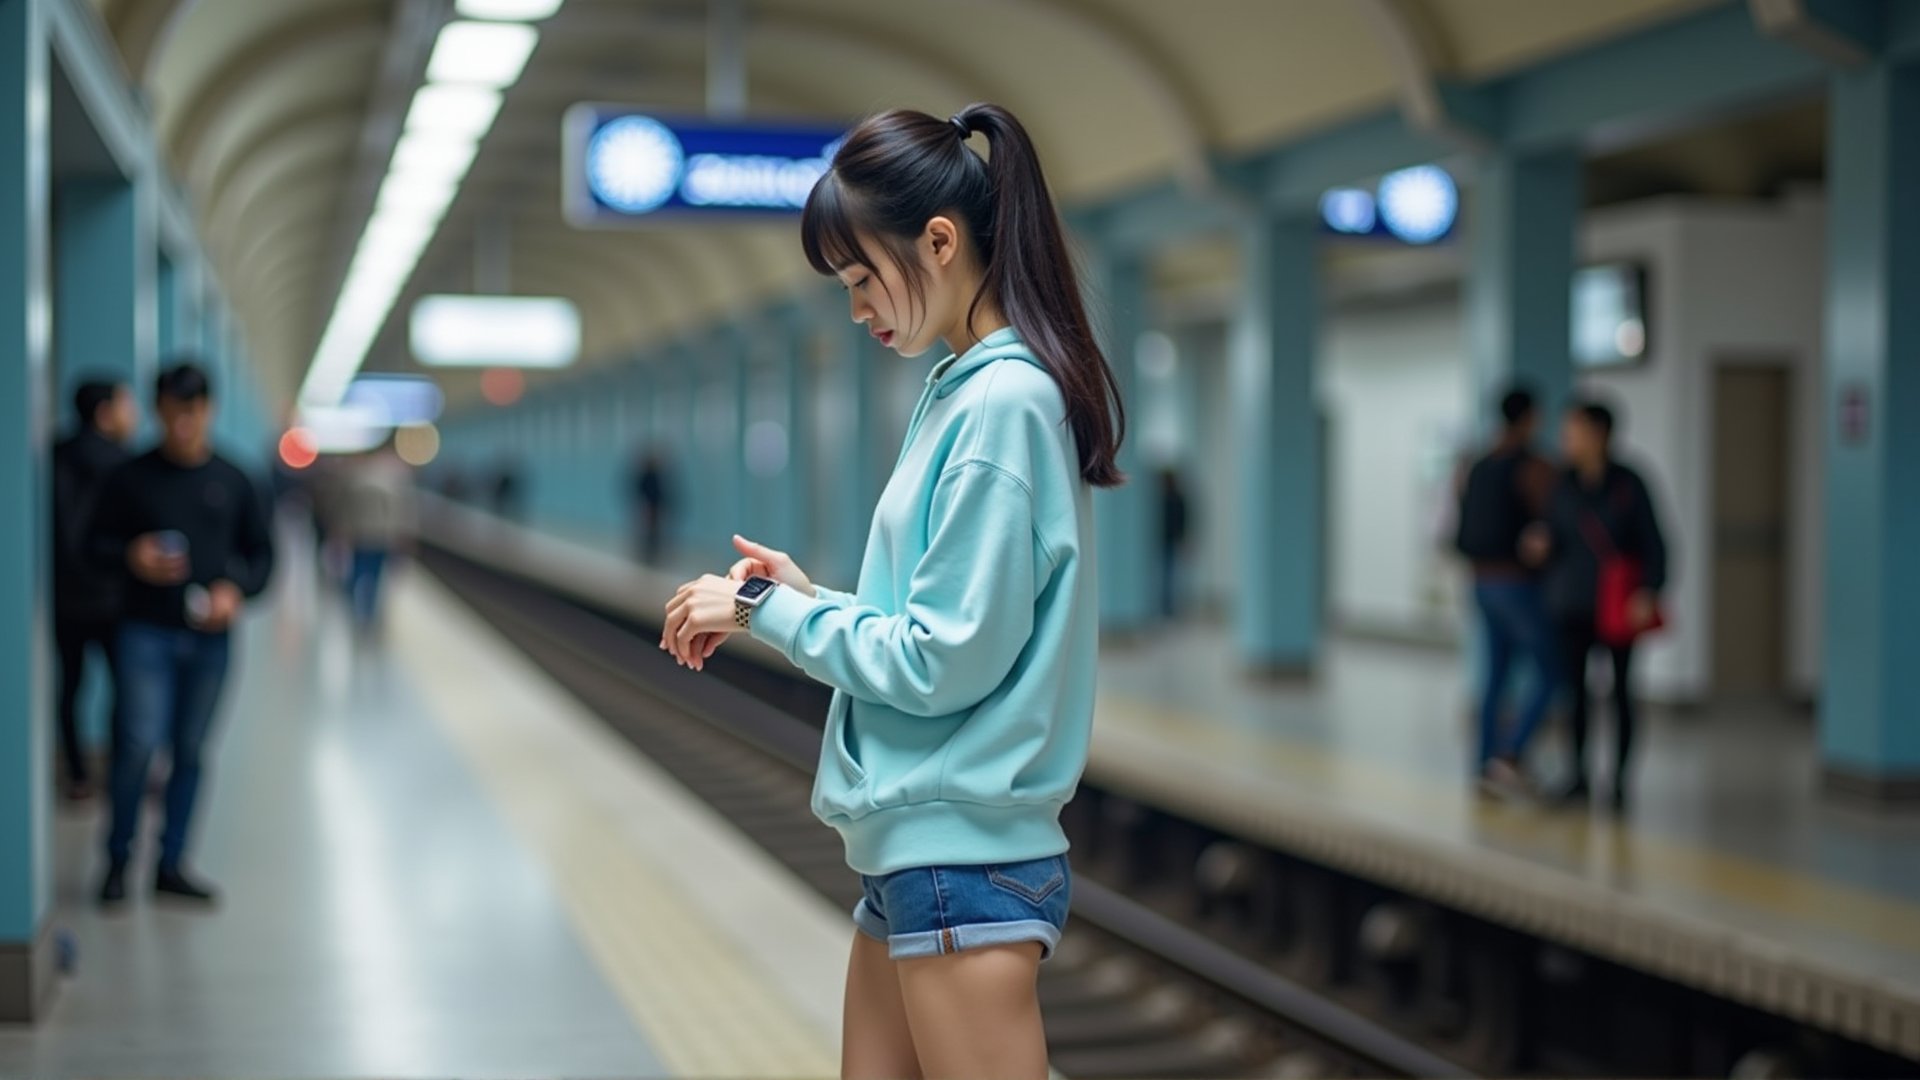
(876, 1043)
(975, 1015)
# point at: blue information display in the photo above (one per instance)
(623, 165)
(1414, 206)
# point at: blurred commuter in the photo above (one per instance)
(453, 484)
(86, 603)
(653, 501)
(1505, 492)
(187, 531)
(1174, 527)
(505, 492)
(378, 519)
(1607, 565)
(963, 667)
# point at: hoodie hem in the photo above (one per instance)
(951, 834)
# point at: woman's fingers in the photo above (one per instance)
(683, 642)
(668, 630)
(773, 559)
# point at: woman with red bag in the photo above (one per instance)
(1606, 565)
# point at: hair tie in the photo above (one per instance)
(960, 126)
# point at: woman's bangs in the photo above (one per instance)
(827, 234)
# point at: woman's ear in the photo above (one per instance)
(942, 238)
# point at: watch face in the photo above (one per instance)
(754, 587)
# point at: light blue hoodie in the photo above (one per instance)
(963, 666)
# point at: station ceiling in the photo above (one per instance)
(271, 110)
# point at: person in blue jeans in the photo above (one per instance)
(188, 532)
(963, 664)
(1504, 495)
(379, 519)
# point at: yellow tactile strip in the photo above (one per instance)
(707, 1009)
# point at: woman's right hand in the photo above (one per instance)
(758, 559)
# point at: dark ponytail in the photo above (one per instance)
(898, 170)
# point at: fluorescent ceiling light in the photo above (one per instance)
(495, 331)
(424, 197)
(507, 10)
(482, 53)
(432, 157)
(460, 111)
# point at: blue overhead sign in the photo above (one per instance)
(1414, 206)
(624, 165)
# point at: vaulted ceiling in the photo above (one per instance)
(271, 110)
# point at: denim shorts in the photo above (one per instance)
(935, 910)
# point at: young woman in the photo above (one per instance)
(963, 665)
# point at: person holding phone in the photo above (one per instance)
(188, 533)
(963, 664)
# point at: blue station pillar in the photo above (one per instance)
(26, 699)
(1123, 516)
(860, 460)
(741, 512)
(1525, 213)
(104, 309)
(681, 369)
(1277, 609)
(781, 493)
(1870, 708)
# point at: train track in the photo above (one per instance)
(1134, 990)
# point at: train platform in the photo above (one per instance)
(436, 863)
(1730, 872)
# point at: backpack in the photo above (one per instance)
(1492, 514)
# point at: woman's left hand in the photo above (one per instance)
(701, 607)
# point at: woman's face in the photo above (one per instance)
(882, 300)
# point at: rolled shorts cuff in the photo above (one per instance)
(957, 938)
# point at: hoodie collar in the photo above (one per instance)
(1002, 344)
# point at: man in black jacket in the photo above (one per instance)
(86, 603)
(1600, 507)
(1502, 496)
(187, 531)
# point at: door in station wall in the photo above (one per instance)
(1749, 542)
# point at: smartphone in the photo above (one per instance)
(199, 604)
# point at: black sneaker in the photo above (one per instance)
(175, 883)
(113, 891)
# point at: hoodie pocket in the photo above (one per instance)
(842, 789)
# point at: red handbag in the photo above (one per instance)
(1621, 576)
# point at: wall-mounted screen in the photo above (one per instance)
(1609, 314)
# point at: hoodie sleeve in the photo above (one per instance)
(968, 611)
(833, 596)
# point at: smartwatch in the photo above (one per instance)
(752, 593)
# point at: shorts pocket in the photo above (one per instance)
(1031, 881)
